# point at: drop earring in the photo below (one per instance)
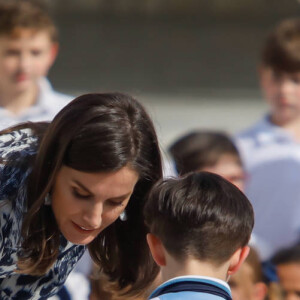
(47, 200)
(123, 216)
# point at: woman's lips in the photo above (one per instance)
(82, 229)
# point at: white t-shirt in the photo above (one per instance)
(272, 160)
(48, 104)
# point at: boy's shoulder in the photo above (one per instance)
(50, 94)
(261, 126)
(261, 134)
(50, 101)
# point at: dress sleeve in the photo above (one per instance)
(15, 149)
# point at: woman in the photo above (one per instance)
(63, 187)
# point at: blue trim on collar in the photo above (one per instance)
(193, 285)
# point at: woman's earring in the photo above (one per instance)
(47, 200)
(123, 216)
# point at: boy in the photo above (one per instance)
(208, 150)
(271, 148)
(287, 263)
(199, 225)
(248, 282)
(28, 48)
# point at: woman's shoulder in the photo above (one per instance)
(17, 149)
(21, 141)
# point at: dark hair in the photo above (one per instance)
(281, 51)
(95, 133)
(200, 215)
(25, 14)
(287, 255)
(199, 149)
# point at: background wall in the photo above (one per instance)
(192, 62)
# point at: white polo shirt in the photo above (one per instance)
(48, 104)
(272, 159)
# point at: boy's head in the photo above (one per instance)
(287, 262)
(211, 151)
(280, 71)
(247, 283)
(28, 44)
(200, 216)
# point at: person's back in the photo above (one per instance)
(270, 149)
(28, 48)
(199, 227)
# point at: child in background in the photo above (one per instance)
(199, 226)
(28, 48)
(214, 151)
(287, 263)
(211, 151)
(248, 282)
(270, 149)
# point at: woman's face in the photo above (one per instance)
(86, 203)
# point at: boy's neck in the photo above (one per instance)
(16, 102)
(193, 267)
(292, 126)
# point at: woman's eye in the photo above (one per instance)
(80, 195)
(114, 203)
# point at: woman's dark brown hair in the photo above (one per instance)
(95, 133)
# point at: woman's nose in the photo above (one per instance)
(93, 215)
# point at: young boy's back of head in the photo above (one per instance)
(200, 216)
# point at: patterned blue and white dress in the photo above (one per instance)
(21, 145)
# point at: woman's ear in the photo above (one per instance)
(157, 249)
(237, 259)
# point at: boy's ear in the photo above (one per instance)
(157, 249)
(260, 70)
(237, 259)
(53, 52)
(260, 291)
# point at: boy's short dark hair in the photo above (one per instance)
(281, 51)
(200, 215)
(199, 149)
(25, 14)
(287, 255)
